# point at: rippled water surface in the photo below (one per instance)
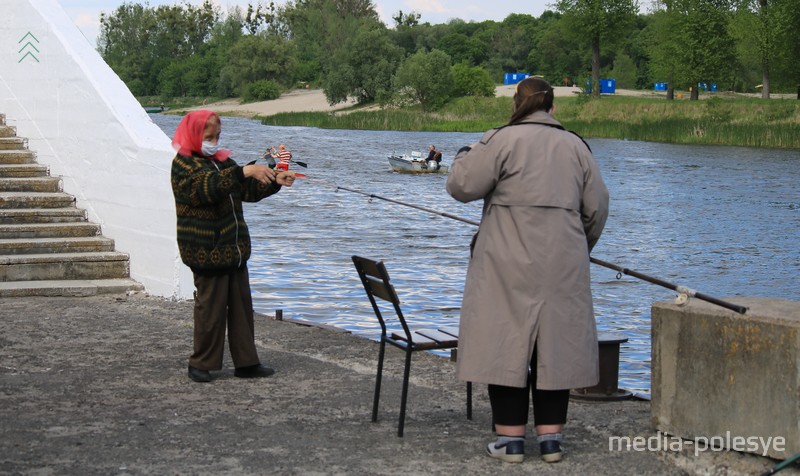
(721, 220)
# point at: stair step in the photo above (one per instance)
(64, 266)
(36, 200)
(74, 287)
(56, 245)
(23, 170)
(30, 184)
(12, 143)
(19, 216)
(48, 230)
(16, 157)
(7, 131)
(47, 246)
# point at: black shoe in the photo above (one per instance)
(253, 371)
(551, 451)
(199, 375)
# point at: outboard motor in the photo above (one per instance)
(433, 165)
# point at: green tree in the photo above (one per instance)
(363, 67)
(262, 90)
(709, 46)
(467, 42)
(762, 28)
(665, 48)
(457, 46)
(471, 81)
(425, 78)
(260, 18)
(595, 21)
(320, 27)
(188, 77)
(410, 19)
(257, 57)
(691, 43)
(624, 71)
(635, 47)
(139, 43)
(552, 56)
(791, 67)
(482, 40)
(512, 42)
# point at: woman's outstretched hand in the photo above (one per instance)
(285, 178)
(262, 173)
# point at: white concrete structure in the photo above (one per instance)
(83, 122)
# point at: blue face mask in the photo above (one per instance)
(209, 148)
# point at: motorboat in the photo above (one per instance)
(415, 163)
(155, 109)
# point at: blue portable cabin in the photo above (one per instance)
(703, 87)
(514, 78)
(607, 86)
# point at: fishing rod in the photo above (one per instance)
(425, 209)
(783, 464)
(683, 291)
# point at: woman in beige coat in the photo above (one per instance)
(527, 319)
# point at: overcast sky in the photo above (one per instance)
(86, 13)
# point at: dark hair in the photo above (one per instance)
(532, 94)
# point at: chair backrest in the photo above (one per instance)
(376, 283)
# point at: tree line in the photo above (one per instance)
(342, 46)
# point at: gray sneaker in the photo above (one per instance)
(511, 452)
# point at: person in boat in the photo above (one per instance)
(209, 188)
(269, 156)
(434, 158)
(434, 154)
(527, 323)
(284, 157)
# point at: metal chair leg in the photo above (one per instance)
(404, 395)
(469, 400)
(378, 376)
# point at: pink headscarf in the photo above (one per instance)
(188, 137)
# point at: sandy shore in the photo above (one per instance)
(313, 100)
(300, 100)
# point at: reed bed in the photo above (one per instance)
(719, 121)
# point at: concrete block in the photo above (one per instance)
(728, 379)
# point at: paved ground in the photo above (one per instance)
(98, 385)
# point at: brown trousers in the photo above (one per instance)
(221, 300)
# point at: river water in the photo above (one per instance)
(721, 220)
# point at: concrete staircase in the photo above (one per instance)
(47, 245)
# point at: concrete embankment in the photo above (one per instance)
(98, 385)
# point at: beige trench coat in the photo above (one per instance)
(545, 205)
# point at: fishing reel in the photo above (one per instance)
(683, 295)
(681, 299)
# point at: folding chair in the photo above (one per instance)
(376, 283)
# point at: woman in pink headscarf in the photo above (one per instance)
(213, 239)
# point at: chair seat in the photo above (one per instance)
(428, 339)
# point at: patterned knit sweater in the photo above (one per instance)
(212, 235)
